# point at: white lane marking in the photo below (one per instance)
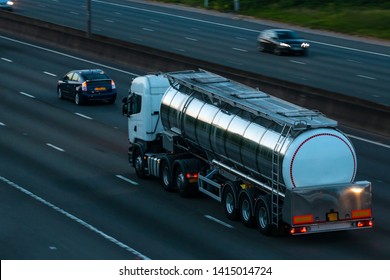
(191, 39)
(368, 141)
(242, 39)
(74, 13)
(232, 26)
(350, 49)
(26, 94)
(69, 56)
(109, 21)
(240, 50)
(147, 29)
(126, 180)
(218, 221)
(55, 147)
(155, 20)
(353, 61)
(180, 50)
(6, 59)
(2, 124)
(74, 218)
(118, 13)
(297, 62)
(50, 74)
(366, 77)
(83, 116)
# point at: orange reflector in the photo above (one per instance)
(303, 219)
(365, 213)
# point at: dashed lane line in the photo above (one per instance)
(74, 218)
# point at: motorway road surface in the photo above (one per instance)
(67, 192)
(346, 65)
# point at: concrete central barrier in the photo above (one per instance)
(349, 111)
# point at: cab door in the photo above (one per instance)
(135, 118)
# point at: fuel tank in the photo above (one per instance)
(308, 157)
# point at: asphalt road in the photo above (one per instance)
(350, 66)
(67, 192)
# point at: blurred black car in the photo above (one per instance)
(280, 41)
(6, 5)
(86, 85)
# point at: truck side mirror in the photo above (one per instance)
(125, 107)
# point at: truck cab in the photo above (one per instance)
(142, 107)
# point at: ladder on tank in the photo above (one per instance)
(276, 184)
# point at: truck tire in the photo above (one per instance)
(263, 215)
(181, 182)
(139, 163)
(166, 176)
(229, 198)
(246, 209)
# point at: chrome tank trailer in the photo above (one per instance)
(307, 157)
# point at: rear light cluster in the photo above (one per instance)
(359, 219)
(307, 229)
(84, 86)
(113, 84)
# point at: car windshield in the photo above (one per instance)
(287, 35)
(95, 76)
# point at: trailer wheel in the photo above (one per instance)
(139, 164)
(229, 201)
(263, 215)
(246, 212)
(166, 176)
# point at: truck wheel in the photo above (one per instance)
(246, 212)
(263, 215)
(182, 183)
(229, 201)
(166, 176)
(139, 164)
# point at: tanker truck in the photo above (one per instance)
(271, 164)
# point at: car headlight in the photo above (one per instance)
(285, 45)
(10, 3)
(305, 45)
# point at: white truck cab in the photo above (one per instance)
(142, 107)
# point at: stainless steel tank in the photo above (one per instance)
(311, 157)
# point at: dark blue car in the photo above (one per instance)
(6, 5)
(280, 41)
(86, 85)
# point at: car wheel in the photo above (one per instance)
(77, 99)
(59, 93)
(277, 51)
(261, 47)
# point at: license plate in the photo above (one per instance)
(334, 216)
(100, 88)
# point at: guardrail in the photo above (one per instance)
(349, 111)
